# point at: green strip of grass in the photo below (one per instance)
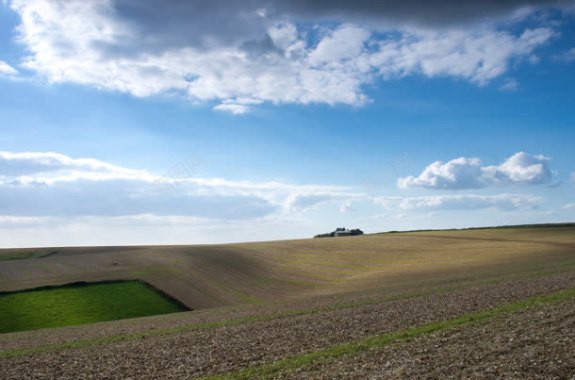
(80, 303)
(354, 348)
(26, 255)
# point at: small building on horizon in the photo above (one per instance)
(341, 232)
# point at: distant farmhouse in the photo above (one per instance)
(341, 231)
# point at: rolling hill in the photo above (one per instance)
(316, 308)
(222, 275)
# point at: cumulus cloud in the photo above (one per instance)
(504, 202)
(521, 168)
(460, 173)
(468, 173)
(226, 51)
(48, 184)
(6, 69)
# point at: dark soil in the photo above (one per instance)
(218, 350)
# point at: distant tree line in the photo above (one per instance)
(341, 231)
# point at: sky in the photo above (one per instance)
(128, 122)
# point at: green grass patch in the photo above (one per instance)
(378, 341)
(10, 255)
(81, 303)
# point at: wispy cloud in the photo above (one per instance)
(566, 56)
(503, 202)
(468, 173)
(6, 69)
(510, 85)
(50, 167)
(47, 184)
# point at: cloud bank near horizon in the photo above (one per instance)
(502, 202)
(48, 184)
(45, 193)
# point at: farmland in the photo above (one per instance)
(381, 306)
(80, 303)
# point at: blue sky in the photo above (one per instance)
(134, 122)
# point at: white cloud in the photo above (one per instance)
(47, 184)
(6, 69)
(342, 44)
(8, 221)
(37, 186)
(302, 202)
(570, 55)
(236, 109)
(566, 57)
(570, 206)
(503, 202)
(478, 56)
(51, 199)
(49, 167)
(101, 44)
(285, 36)
(154, 229)
(510, 85)
(238, 106)
(467, 173)
(521, 168)
(460, 173)
(346, 207)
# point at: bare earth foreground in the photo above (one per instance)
(461, 304)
